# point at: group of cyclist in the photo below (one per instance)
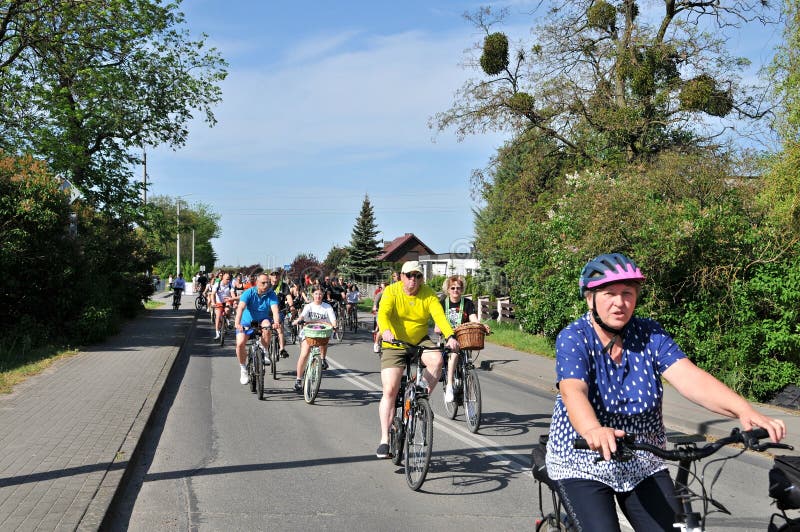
(609, 366)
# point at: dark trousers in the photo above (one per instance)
(651, 505)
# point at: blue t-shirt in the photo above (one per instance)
(626, 396)
(257, 307)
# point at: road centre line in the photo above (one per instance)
(486, 446)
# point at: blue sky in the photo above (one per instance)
(326, 102)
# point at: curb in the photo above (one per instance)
(118, 471)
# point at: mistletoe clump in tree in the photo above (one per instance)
(362, 253)
(612, 85)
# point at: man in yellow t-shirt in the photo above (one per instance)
(406, 306)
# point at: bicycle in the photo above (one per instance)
(316, 335)
(176, 298)
(289, 329)
(466, 391)
(274, 352)
(255, 360)
(228, 322)
(351, 313)
(411, 431)
(685, 453)
(200, 302)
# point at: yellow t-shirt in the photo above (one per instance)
(407, 316)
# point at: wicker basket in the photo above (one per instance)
(317, 333)
(470, 335)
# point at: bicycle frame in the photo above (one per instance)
(411, 408)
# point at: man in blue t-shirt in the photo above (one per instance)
(259, 304)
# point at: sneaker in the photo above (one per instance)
(217, 336)
(383, 451)
(284, 353)
(324, 364)
(376, 348)
(244, 378)
(267, 361)
(448, 394)
(298, 385)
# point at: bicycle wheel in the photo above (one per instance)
(199, 303)
(222, 333)
(419, 443)
(312, 379)
(396, 438)
(450, 408)
(274, 355)
(552, 523)
(251, 371)
(472, 400)
(337, 333)
(259, 370)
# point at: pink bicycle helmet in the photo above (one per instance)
(606, 269)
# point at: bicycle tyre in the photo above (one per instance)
(251, 372)
(338, 333)
(450, 408)
(259, 373)
(222, 332)
(472, 400)
(312, 379)
(419, 443)
(549, 524)
(199, 303)
(396, 440)
(273, 356)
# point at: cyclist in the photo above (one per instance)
(202, 281)
(315, 312)
(406, 306)
(281, 290)
(256, 304)
(458, 309)
(609, 366)
(352, 298)
(178, 286)
(223, 299)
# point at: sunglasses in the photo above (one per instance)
(414, 275)
(456, 288)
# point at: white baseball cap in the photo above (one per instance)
(411, 266)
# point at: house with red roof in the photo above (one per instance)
(404, 248)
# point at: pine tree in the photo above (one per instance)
(362, 258)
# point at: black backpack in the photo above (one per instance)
(784, 482)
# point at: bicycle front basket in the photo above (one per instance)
(784, 482)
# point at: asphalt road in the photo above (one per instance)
(216, 458)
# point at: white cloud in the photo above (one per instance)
(375, 99)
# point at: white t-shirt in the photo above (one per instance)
(323, 312)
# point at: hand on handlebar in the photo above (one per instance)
(387, 336)
(603, 440)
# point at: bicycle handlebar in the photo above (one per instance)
(688, 452)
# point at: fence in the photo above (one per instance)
(502, 310)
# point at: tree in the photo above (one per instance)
(161, 226)
(95, 81)
(607, 84)
(336, 258)
(305, 264)
(362, 254)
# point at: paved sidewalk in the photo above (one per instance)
(68, 434)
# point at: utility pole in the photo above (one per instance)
(178, 249)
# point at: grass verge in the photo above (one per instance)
(32, 363)
(510, 335)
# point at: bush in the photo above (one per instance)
(718, 282)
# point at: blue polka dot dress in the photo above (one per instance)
(625, 396)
